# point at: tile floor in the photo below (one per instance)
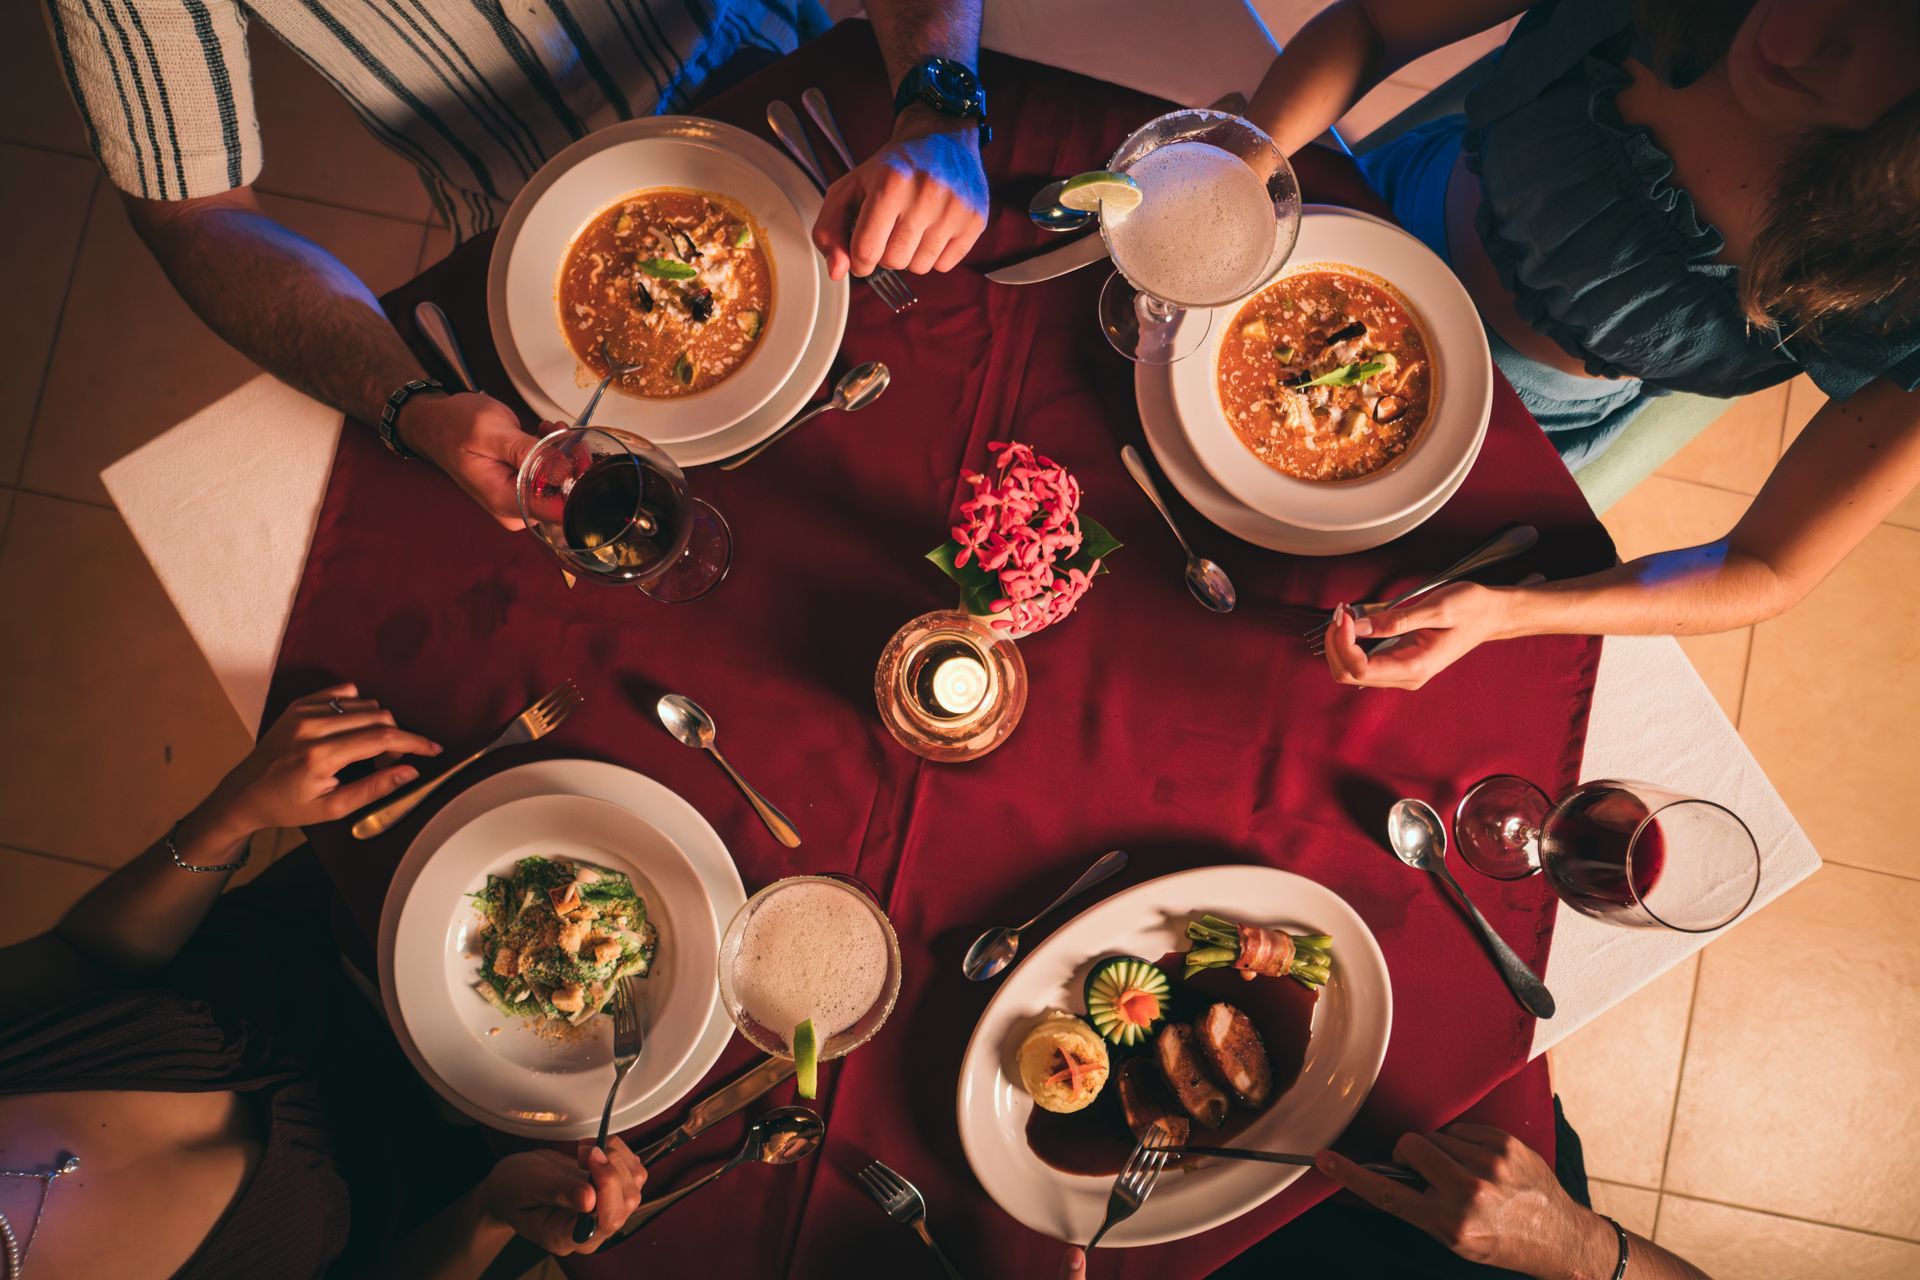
(1751, 1108)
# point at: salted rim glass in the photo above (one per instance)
(1140, 320)
(863, 1029)
(1507, 828)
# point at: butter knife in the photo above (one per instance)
(1084, 252)
(753, 1083)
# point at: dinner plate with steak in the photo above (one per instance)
(1224, 1006)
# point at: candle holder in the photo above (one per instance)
(950, 687)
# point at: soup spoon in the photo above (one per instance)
(784, 1135)
(615, 369)
(995, 949)
(688, 721)
(1208, 581)
(1419, 839)
(858, 387)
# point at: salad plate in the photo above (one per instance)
(1342, 1041)
(534, 1076)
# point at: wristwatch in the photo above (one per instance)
(389, 435)
(950, 88)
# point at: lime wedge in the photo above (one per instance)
(1115, 194)
(806, 1060)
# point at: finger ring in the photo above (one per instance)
(337, 708)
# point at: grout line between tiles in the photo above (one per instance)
(1790, 1217)
(56, 857)
(1746, 673)
(1659, 1203)
(1680, 1076)
(1872, 871)
(59, 321)
(44, 149)
(61, 497)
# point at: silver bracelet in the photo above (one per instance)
(173, 850)
(1619, 1271)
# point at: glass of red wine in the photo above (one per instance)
(1629, 853)
(614, 508)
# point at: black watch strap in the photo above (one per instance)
(389, 416)
(947, 86)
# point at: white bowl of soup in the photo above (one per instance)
(670, 251)
(1347, 391)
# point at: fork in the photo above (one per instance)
(816, 104)
(1135, 1183)
(536, 722)
(1515, 539)
(785, 123)
(628, 1037)
(904, 1204)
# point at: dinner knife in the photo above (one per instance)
(1084, 252)
(1399, 1173)
(753, 1083)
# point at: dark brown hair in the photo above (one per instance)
(1841, 239)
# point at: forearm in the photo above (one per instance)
(1596, 1255)
(455, 1244)
(137, 919)
(286, 303)
(909, 30)
(1328, 66)
(1690, 591)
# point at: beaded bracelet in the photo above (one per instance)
(1619, 1271)
(174, 850)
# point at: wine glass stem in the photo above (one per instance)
(1155, 311)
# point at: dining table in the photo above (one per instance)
(1187, 738)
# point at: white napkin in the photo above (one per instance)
(1655, 721)
(224, 506)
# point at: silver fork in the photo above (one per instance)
(628, 1037)
(904, 1204)
(816, 104)
(536, 722)
(1511, 541)
(785, 124)
(1135, 1183)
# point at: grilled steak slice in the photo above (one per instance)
(1186, 1075)
(1147, 1105)
(1234, 1051)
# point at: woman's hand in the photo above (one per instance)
(540, 1193)
(1439, 627)
(288, 780)
(1490, 1198)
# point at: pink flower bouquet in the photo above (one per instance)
(1022, 552)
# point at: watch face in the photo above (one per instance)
(953, 83)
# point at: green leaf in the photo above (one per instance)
(1346, 375)
(978, 588)
(668, 269)
(1096, 544)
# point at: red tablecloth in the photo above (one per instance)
(1154, 726)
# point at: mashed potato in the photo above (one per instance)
(1063, 1063)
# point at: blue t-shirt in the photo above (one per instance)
(1608, 257)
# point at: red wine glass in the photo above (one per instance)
(1628, 853)
(613, 507)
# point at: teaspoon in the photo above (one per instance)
(782, 1136)
(1419, 839)
(859, 387)
(686, 720)
(995, 949)
(1207, 580)
(433, 322)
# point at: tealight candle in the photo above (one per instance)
(949, 688)
(952, 683)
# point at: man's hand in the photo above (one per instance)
(1490, 1198)
(917, 204)
(474, 439)
(539, 1193)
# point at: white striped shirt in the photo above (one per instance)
(476, 93)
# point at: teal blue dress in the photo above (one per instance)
(1602, 251)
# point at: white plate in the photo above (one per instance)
(827, 317)
(1457, 421)
(1351, 1021)
(1183, 469)
(646, 814)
